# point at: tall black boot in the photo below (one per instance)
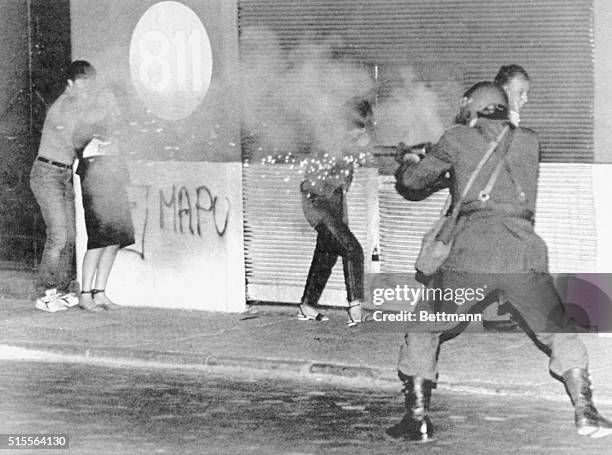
(588, 420)
(415, 425)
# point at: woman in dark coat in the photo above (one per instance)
(108, 221)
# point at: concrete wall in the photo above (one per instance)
(602, 183)
(134, 48)
(189, 251)
(603, 81)
(16, 239)
(13, 52)
(175, 61)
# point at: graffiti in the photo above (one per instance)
(139, 208)
(189, 210)
(189, 213)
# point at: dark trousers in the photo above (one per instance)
(334, 239)
(533, 298)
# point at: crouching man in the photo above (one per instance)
(495, 248)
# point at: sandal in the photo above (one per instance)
(307, 317)
(91, 305)
(105, 303)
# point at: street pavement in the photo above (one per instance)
(272, 340)
(106, 410)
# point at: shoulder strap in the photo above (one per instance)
(492, 146)
(445, 233)
(486, 191)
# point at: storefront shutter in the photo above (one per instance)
(552, 39)
(565, 219)
(450, 44)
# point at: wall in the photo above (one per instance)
(162, 56)
(188, 227)
(602, 185)
(603, 81)
(175, 62)
(14, 123)
(14, 51)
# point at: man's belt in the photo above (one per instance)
(54, 163)
(496, 208)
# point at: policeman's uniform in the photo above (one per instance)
(495, 246)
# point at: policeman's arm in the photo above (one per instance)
(429, 173)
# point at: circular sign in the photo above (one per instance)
(170, 60)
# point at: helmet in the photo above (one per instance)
(484, 99)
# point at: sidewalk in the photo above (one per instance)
(271, 339)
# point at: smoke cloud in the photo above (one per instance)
(293, 101)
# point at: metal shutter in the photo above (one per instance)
(565, 218)
(552, 39)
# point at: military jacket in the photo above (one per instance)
(490, 236)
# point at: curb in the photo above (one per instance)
(204, 360)
(355, 375)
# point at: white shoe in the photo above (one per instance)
(69, 299)
(51, 303)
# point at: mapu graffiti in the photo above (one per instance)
(189, 209)
(190, 212)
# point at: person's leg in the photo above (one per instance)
(538, 303)
(90, 266)
(536, 300)
(323, 262)
(47, 187)
(417, 370)
(344, 243)
(418, 359)
(352, 263)
(66, 267)
(105, 265)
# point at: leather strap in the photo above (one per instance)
(485, 194)
(447, 231)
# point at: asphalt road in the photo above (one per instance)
(108, 410)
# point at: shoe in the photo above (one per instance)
(51, 302)
(310, 317)
(589, 422)
(354, 314)
(89, 304)
(415, 425)
(101, 299)
(69, 300)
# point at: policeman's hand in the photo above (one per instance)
(400, 151)
(411, 158)
(411, 154)
(405, 154)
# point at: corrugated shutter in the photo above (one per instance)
(402, 225)
(552, 39)
(279, 243)
(565, 218)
